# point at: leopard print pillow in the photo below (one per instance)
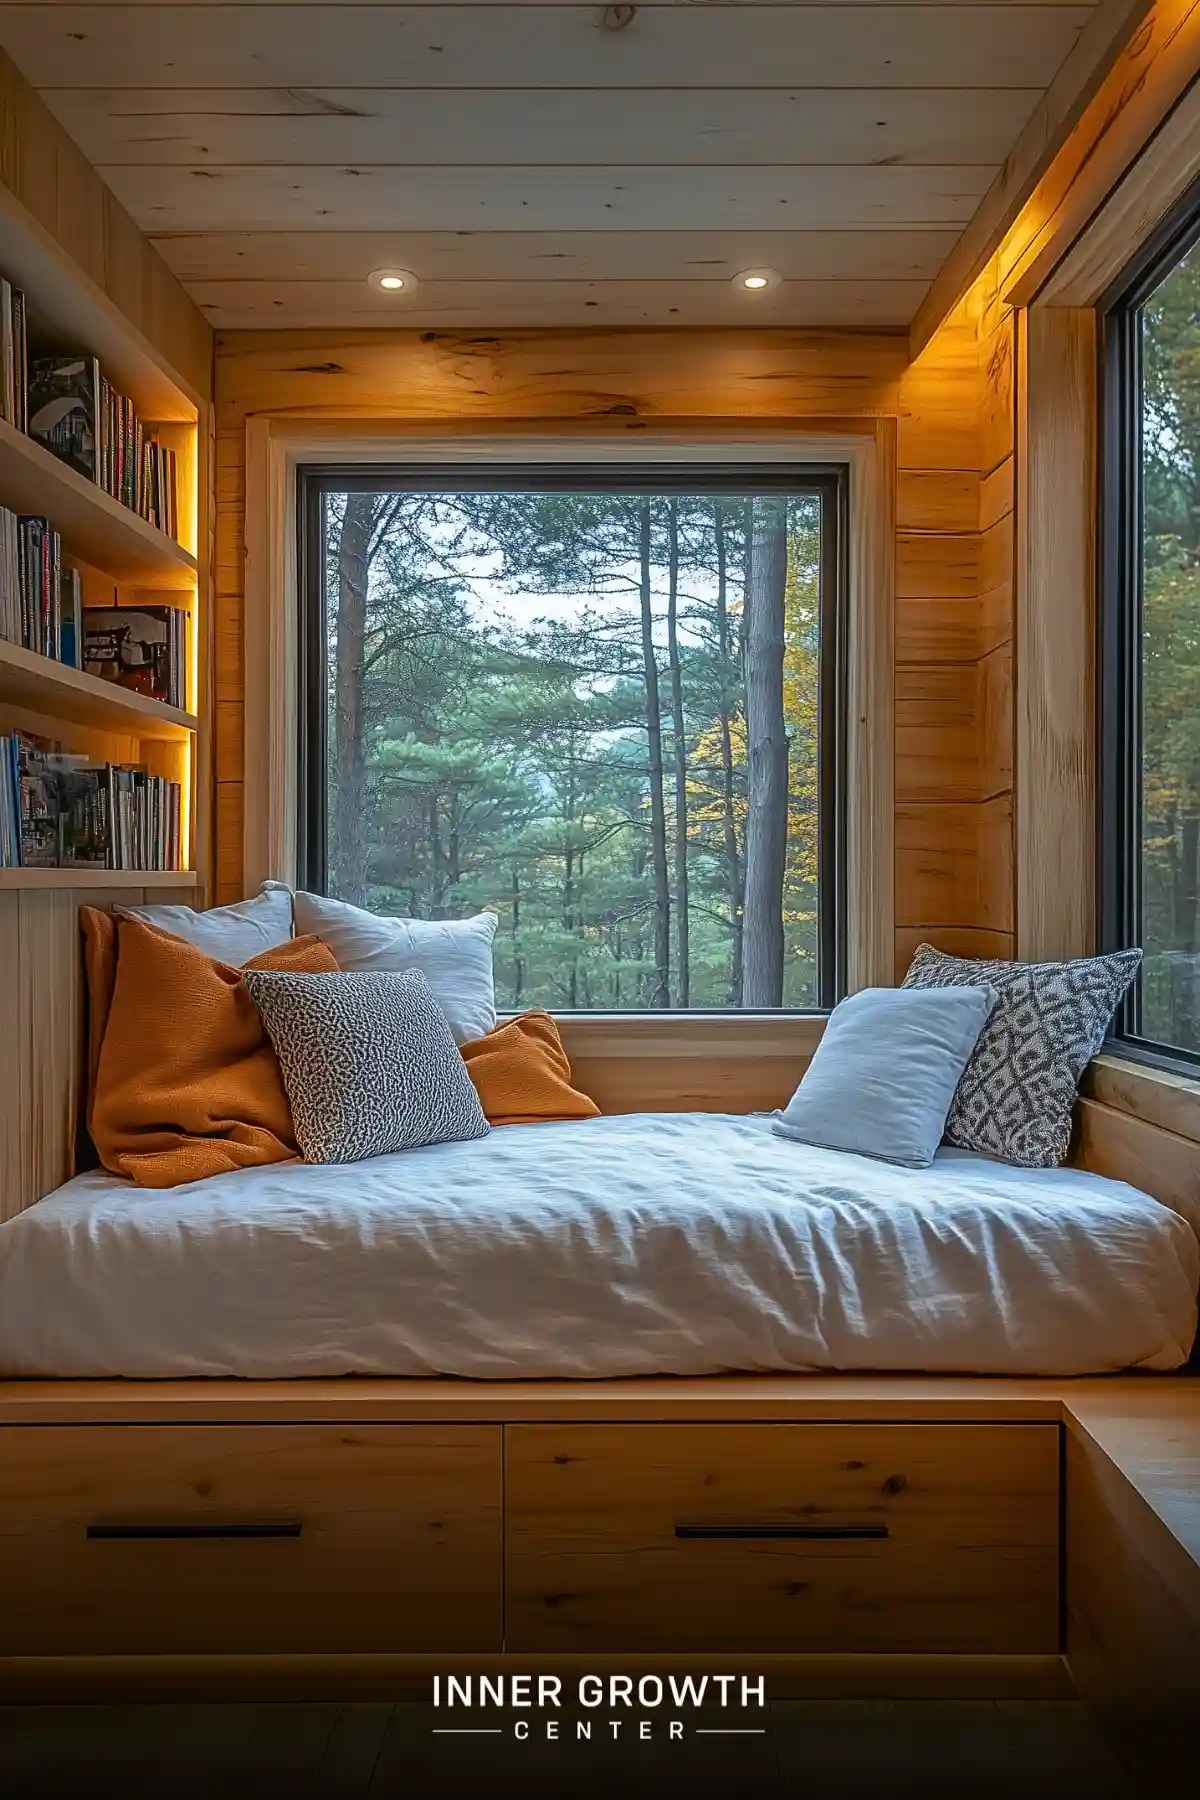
(368, 1062)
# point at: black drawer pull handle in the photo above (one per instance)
(811, 1533)
(283, 1528)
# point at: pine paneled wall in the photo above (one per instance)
(954, 637)
(953, 723)
(95, 263)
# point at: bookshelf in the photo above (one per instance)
(123, 559)
(39, 684)
(97, 529)
(110, 880)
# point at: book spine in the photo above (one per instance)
(21, 361)
(8, 368)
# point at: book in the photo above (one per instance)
(70, 618)
(59, 810)
(38, 792)
(139, 647)
(65, 410)
(8, 389)
(13, 355)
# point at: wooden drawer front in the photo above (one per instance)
(249, 1538)
(781, 1537)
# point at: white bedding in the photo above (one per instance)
(669, 1243)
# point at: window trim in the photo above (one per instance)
(1119, 662)
(829, 480)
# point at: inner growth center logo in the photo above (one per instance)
(642, 1707)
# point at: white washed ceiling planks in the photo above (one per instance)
(543, 164)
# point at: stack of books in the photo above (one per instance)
(138, 647)
(60, 811)
(14, 357)
(80, 418)
(41, 600)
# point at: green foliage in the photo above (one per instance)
(1171, 655)
(504, 750)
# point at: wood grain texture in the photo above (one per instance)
(399, 1547)
(486, 257)
(40, 973)
(380, 197)
(1078, 89)
(1155, 68)
(1156, 1096)
(953, 863)
(1132, 1149)
(727, 1399)
(1056, 626)
(1133, 1617)
(996, 494)
(50, 179)
(556, 47)
(969, 1563)
(702, 1063)
(565, 375)
(701, 127)
(1165, 168)
(938, 500)
(842, 303)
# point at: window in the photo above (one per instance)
(1150, 660)
(603, 703)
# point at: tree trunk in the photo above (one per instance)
(515, 915)
(767, 748)
(683, 975)
(661, 995)
(733, 857)
(348, 834)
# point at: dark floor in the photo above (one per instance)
(806, 1750)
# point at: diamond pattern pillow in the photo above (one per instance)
(368, 1062)
(1017, 1094)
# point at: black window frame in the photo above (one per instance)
(829, 481)
(1119, 660)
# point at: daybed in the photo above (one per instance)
(638, 1244)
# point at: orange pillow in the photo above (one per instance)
(99, 976)
(187, 1084)
(521, 1073)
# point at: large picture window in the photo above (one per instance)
(1150, 688)
(604, 703)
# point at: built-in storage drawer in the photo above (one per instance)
(249, 1538)
(781, 1537)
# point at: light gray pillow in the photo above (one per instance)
(1017, 1096)
(233, 934)
(454, 955)
(885, 1072)
(368, 1063)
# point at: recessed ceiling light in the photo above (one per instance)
(753, 281)
(392, 281)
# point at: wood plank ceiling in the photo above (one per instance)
(547, 164)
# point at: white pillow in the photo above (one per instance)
(885, 1072)
(233, 934)
(454, 955)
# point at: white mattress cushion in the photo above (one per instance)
(454, 955)
(670, 1243)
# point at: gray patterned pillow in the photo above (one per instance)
(1017, 1094)
(368, 1063)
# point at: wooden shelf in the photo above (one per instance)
(95, 528)
(66, 303)
(98, 878)
(45, 686)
